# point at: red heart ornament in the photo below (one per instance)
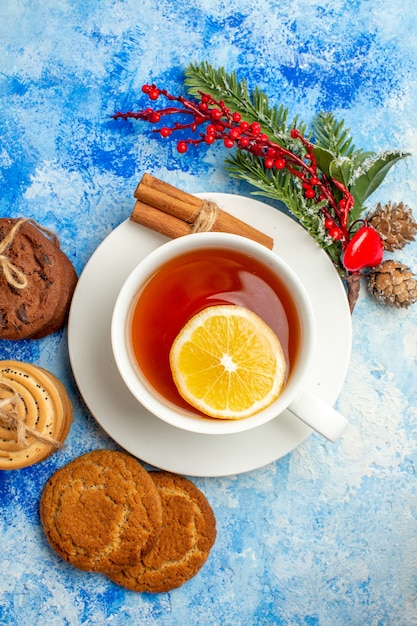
(365, 249)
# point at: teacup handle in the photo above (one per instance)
(318, 415)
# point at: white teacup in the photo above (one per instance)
(304, 405)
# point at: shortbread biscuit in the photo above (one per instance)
(41, 306)
(183, 546)
(35, 414)
(101, 511)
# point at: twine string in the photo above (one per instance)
(10, 418)
(14, 276)
(206, 217)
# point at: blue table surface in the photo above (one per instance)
(326, 535)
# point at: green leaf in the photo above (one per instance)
(371, 173)
(324, 158)
(359, 157)
(341, 170)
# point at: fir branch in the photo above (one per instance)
(254, 106)
(337, 158)
(281, 186)
(331, 134)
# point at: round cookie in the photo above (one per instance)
(69, 281)
(35, 414)
(187, 535)
(37, 308)
(101, 511)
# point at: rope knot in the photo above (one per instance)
(206, 217)
(11, 418)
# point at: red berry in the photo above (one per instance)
(314, 180)
(295, 133)
(229, 143)
(146, 88)
(342, 204)
(205, 97)
(153, 94)
(182, 147)
(244, 126)
(310, 193)
(155, 117)
(236, 117)
(243, 142)
(255, 128)
(203, 106)
(255, 149)
(280, 164)
(328, 223)
(165, 132)
(234, 133)
(269, 163)
(216, 114)
(209, 139)
(211, 129)
(335, 233)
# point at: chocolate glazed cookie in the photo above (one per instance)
(37, 281)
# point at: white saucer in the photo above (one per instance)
(144, 435)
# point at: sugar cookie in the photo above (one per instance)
(101, 511)
(183, 546)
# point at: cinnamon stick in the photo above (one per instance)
(161, 222)
(179, 198)
(179, 213)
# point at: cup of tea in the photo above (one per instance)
(183, 277)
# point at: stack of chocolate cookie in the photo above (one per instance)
(37, 281)
(147, 531)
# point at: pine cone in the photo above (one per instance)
(395, 225)
(393, 283)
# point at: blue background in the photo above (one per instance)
(326, 536)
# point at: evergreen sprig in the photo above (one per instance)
(337, 158)
(254, 106)
(282, 186)
(331, 134)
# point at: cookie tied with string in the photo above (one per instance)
(35, 414)
(37, 281)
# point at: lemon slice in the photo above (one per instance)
(227, 362)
